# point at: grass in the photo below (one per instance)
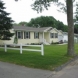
(54, 56)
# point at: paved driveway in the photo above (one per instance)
(8, 70)
(70, 71)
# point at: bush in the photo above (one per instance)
(61, 42)
(55, 43)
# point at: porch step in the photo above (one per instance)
(46, 43)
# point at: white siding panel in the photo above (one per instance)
(60, 37)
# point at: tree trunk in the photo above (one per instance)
(70, 50)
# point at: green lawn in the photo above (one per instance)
(54, 56)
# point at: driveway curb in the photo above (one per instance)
(64, 65)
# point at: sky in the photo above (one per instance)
(22, 11)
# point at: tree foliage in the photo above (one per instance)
(40, 5)
(5, 23)
(76, 14)
(76, 19)
(47, 21)
(20, 24)
(23, 23)
(43, 21)
(76, 28)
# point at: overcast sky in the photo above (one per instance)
(22, 11)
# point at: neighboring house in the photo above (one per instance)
(65, 37)
(28, 35)
(76, 38)
(60, 35)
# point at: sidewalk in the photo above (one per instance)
(8, 70)
(70, 71)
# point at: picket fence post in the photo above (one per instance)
(42, 50)
(5, 48)
(21, 48)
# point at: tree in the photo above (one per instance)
(76, 28)
(23, 23)
(15, 24)
(76, 13)
(20, 24)
(65, 28)
(44, 21)
(5, 23)
(76, 20)
(39, 5)
(70, 21)
(60, 25)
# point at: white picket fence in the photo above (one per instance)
(21, 48)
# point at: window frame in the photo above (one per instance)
(56, 35)
(36, 35)
(51, 35)
(19, 36)
(26, 35)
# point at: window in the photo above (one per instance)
(20, 35)
(51, 35)
(36, 35)
(56, 35)
(26, 35)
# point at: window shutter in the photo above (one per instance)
(34, 35)
(53, 35)
(21, 35)
(50, 35)
(57, 35)
(38, 35)
(24, 35)
(29, 35)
